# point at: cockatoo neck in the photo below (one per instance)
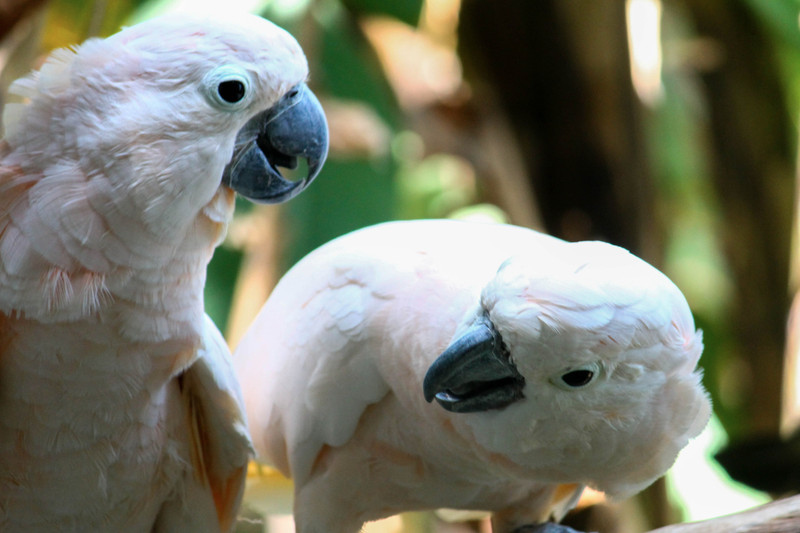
(49, 274)
(164, 299)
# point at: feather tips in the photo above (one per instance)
(220, 442)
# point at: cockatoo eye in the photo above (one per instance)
(576, 378)
(228, 87)
(231, 90)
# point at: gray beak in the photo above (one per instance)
(474, 373)
(294, 127)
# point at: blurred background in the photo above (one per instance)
(668, 127)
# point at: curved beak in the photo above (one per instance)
(295, 127)
(474, 373)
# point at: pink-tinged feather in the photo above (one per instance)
(333, 367)
(118, 407)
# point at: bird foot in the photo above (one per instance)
(547, 527)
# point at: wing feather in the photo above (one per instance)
(220, 441)
(310, 401)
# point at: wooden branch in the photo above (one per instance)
(782, 516)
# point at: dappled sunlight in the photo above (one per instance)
(644, 40)
(701, 486)
(420, 69)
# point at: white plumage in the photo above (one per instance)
(119, 410)
(594, 383)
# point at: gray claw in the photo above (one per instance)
(547, 527)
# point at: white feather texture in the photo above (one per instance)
(332, 371)
(118, 407)
(115, 150)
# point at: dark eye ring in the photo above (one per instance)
(231, 91)
(578, 378)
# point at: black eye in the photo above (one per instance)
(578, 378)
(231, 91)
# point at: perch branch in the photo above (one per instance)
(782, 516)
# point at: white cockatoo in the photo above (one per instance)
(554, 366)
(119, 409)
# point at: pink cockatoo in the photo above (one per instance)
(119, 409)
(553, 366)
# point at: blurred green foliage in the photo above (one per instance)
(407, 11)
(221, 281)
(405, 181)
(350, 192)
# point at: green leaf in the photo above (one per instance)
(220, 283)
(349, 194)
(780, 16)
(407, 11)
(349, 69)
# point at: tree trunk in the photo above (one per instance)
(560, 70)
(752, 161)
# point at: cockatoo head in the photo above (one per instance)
(170, 109)
(578, 369)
